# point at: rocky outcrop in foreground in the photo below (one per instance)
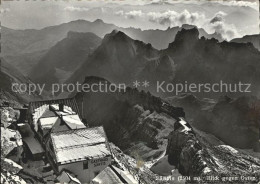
(196, 157)
(186, 151)
(9, 171)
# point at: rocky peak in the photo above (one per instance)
(188, 26)
(116, 35)
(194, 157)
(99, 21)
(119, 43)
(185, 36)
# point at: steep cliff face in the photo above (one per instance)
(159, 69)
(202, 61)
(119, 59)
(10, 75)
(195, 155)
(185, 151)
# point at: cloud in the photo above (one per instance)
(131, 14)
(134, 14)
(172, 18)
(219, 17)
(253, 4)
(217, 24)
(228, 32)
(120, 13)
(76, 9)
(104, 9)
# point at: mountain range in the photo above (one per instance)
(254, 39)
(204, 61)
(189, 59)
(63, 59)
(119, 58)
(139, 122)
(25, 48)
(10, 75)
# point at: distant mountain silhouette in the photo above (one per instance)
(254, 39)
(24, 48)
(10, 75)
(65, 57)
(193, 56)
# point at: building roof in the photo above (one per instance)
(47, 113)
(80, 144)
(33, 145)
(66, 110)
(70, 102)
(47, 123)
(49, 116)
(73, 121)
(74, 154)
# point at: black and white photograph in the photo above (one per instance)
(130, 91)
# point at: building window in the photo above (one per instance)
(85, 164)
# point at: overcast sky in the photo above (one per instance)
(231, 19)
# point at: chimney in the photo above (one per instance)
(61, 107)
